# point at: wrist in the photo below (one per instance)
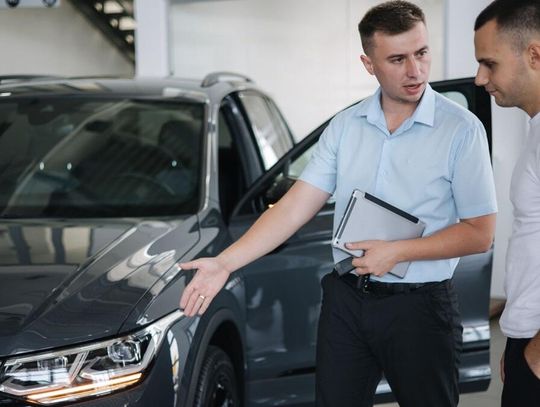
(400, 251)
(224, 263)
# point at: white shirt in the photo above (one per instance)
(521, 316)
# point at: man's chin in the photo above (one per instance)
(413, 98)
(503, 103)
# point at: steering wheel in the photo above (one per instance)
(154, 150)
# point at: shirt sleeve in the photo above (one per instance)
(321, 169)
(472, 182)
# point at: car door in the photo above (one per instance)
(283, 291)
(283, 288)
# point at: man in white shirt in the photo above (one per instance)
(507, 43)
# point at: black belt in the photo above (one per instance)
(366, 285)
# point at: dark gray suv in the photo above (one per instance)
(105, 185)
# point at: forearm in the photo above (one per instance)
(532, 354)
(464, 238)
(274, 226)
(263, 237)
(536, 340)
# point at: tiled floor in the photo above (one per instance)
(491, 397)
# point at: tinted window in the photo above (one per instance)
(271, 133)
(68, 157)
(457, 97)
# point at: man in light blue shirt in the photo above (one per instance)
(420, 152)
(434, 166)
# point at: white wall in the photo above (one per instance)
(56, 41)
(509, 125)
(152, 50)
(304, 52)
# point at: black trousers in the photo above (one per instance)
(414, 338)
(521, 386)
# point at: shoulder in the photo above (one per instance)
(452, 114)
(352, 112)
(346, 119)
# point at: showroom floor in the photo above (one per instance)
(490, 398)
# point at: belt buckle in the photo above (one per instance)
(363, 282)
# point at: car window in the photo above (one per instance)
(84, 157)
(271, 133)
(231, 179)
(457, 97)
(297, 166)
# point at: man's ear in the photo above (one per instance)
(533, 53)
(367, 64)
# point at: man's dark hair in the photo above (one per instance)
(392, 18)
(517, 18)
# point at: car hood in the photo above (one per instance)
(64, 283)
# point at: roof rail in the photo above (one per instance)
(215, 77)
(21, 78)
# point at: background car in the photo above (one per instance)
(105, 185)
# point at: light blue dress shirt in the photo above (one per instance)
(435, 166)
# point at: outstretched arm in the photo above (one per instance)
(272, 228)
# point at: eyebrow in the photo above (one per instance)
(485, 61)
(424, 48)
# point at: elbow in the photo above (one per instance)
(483, 233)
(484, 243)
(485, 246)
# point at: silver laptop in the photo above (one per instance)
(370, 218)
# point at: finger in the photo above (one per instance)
(199, 303)
(361, 268)
(363, 245)
(359, 262)
(361, 271)
(204, 306)
(192, 306)
(185, 295)
(190, 265)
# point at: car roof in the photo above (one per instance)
(212, 88)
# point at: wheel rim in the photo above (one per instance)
(222, 393)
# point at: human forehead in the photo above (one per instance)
(489, 42)
(403, 43)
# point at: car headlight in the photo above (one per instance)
(84, 371)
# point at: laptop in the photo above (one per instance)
(367, 217)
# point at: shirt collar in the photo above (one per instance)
(535, 120)
(424, 113)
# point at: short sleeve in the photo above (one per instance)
(472, 181)
(321, 169)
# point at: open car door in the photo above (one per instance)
(284, 292)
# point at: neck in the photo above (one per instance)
(533, 109)
(531, 104)
(396, 112)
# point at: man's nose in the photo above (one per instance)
(481, 78)
(413, 68)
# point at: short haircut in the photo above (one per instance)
(519, 19)
(391, 18)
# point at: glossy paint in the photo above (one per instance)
(67, 282)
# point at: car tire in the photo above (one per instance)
(217, 385)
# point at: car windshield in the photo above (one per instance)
(86, 157)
